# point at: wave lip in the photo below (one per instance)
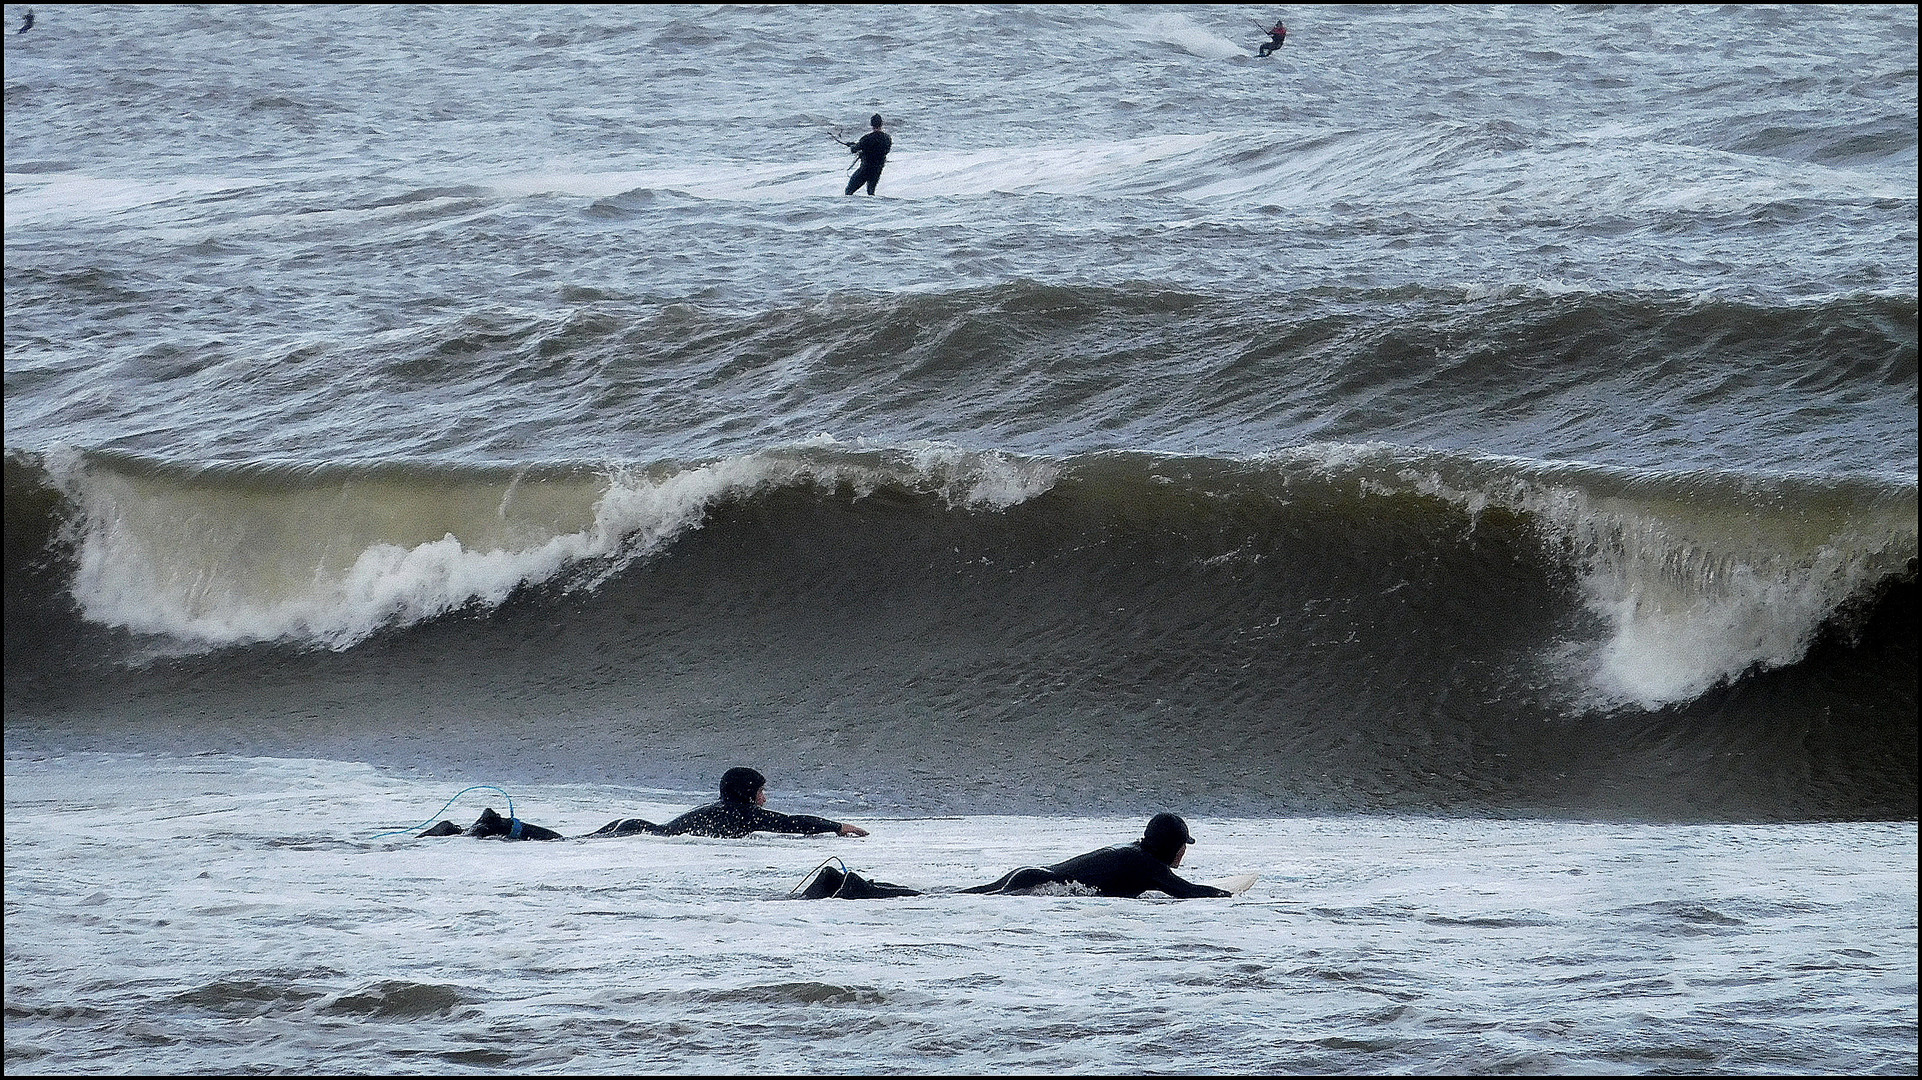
(1667, 583)
(1700, 577)
(331, 555)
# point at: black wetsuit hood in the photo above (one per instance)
(1165, 836)
(739, 784)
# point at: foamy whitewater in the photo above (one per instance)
(1466, 463)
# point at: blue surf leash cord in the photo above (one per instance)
(513, 834)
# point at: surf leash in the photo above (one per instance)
(514, 832)
(805, 878)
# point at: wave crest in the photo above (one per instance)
(331, 556)
(1699, 578)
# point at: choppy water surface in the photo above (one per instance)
(1467, 461)
(1370, 945)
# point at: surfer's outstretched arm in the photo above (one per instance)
(1182, 889)
(764, 820)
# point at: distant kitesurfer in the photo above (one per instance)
(1128, 870)
(873, 148)
(1276, 35)
(26, 22)
(742, 810)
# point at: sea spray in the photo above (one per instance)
(332, 555)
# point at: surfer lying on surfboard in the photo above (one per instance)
(741, 810)
(1147, 865)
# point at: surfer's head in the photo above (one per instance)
(741, 784)
(1166, 838)
(875, 120)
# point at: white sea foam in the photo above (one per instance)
(42, 199)
(1177, 29)
(912, 173)
(1697, 592)
(335, 563)
(1695, 586)
(1448, 165)
(975, 479)
(245, 909)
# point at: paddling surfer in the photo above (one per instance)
(741, 810)
(1147, 865)
(1125, 870)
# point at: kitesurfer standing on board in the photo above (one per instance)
(873, 148)
(1276, 35)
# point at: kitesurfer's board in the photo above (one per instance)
(1236, 885)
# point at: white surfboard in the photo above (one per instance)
(1237, 884)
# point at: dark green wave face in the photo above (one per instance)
(1337, 627)
(1491, 410)
(1464, 464)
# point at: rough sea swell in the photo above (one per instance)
(1464, 462)
(1645, 379)
(1337, 626)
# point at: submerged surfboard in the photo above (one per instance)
(1237, 884)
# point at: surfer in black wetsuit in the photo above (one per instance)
(1276, 35)
(1128, 870)
(26, 22)
(873, 148)
(492, 824)
(742, 810)
(1147, 865)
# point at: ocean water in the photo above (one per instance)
(237, 926)
(1465, 463)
